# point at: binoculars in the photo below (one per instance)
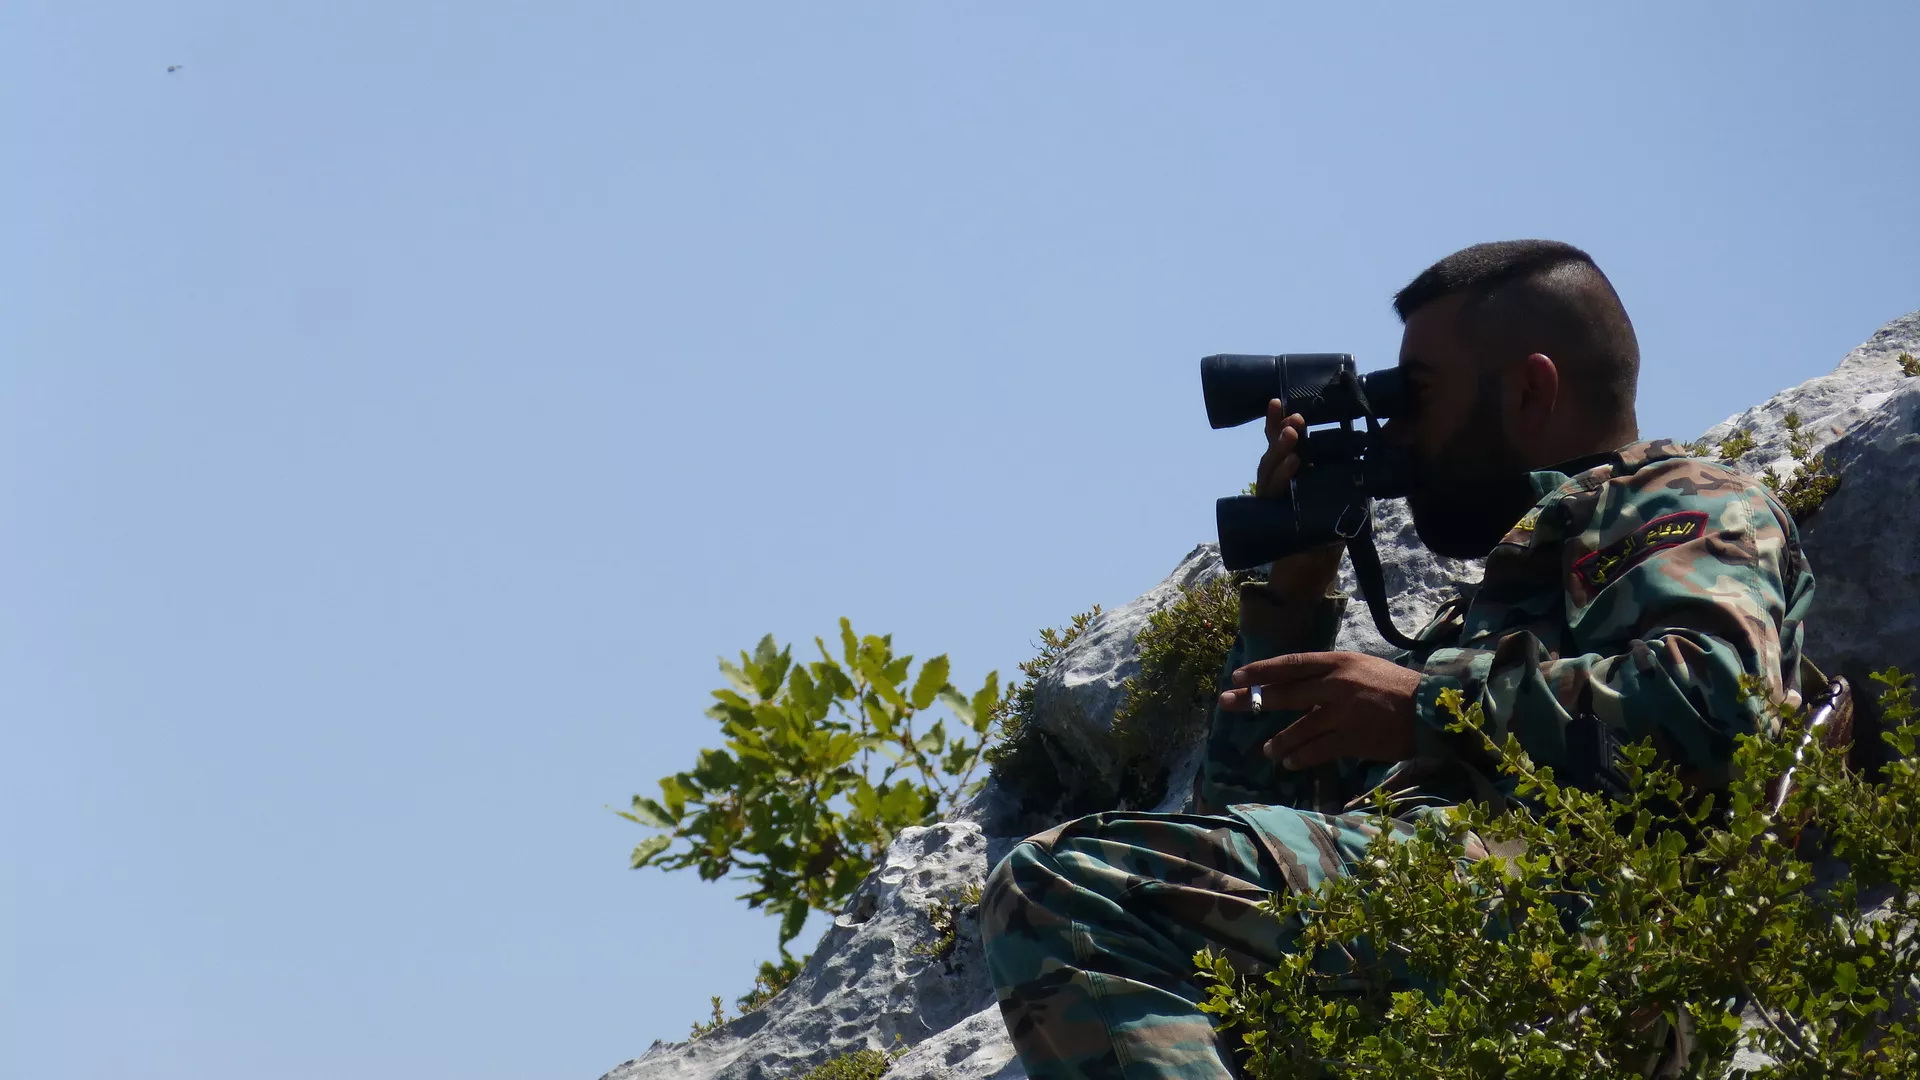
(1341, 468)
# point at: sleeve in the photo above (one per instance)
(1234, 770)
(1692, 583)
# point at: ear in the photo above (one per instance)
(1536, 395)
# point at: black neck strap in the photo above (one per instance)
(1373, 582)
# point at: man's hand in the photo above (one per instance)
(1356, 706)
(1282, 459)
(1309, 573)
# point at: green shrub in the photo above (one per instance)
(945, 914)
(1168, 702)
(1811, 483)
(821, 767)
(1019, 758)
(1735, 446)
(858, 1065)
(1601, 922)
(1908, 365)
(772, 979)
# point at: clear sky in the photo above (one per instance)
(402, 404)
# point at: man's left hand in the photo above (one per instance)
(1356, 706)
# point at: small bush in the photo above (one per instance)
(1908, 365)
(1603, 924)
(858, 1065)
(823, 764)
(946, 915)
(1735, 446)
(1168, 702)
(1811, 483)
(1019, 758)
(772, 979)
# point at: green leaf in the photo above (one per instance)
(957, 702)
(932, 680)
(648, 812)
(675, 790)
(849, 645)
(737, 677)
(933, 740)
(801, 689)
(794, 921)
(889, 692)
(984, 703)
(650, 847)
(765, 651)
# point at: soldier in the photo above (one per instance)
(1628, 589)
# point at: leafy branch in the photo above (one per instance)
(1618, 931)
(823, 764)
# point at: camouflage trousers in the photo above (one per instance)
(1091, 928)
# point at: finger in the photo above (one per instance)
(1276, 417)
(1281, 461)
(1314, 739)
(1290, 668)
(1298, 696)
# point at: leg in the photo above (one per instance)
(1091, 930)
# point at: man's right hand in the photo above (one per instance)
(1307, 574)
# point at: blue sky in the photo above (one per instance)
(402, 405)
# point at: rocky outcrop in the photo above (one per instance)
(1863, 418)
(1074, 704)
(874, 981)
(1864, 545)
(1829, 405)
(879, 978)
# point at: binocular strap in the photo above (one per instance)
(1373, 583)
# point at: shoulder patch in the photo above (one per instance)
(1669, 530)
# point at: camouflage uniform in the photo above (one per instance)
(1626, 605)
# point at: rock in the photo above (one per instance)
(1864, 544)
(1863, 417)
(1418, 581)
(871, 979)
(1829, 405)
(976, 1048)
(1075, 702)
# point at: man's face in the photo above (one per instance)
(1469, 480)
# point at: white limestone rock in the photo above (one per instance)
(1829, 405)
(1418, 581)
(976, 1048)
(1864, 545)
(871, 980)
(1074, 703)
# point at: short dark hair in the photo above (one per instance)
(1528, 296)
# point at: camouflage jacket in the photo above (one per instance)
(1626, 605)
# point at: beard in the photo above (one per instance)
(1465, 498)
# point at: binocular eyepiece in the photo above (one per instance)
(1341, 469)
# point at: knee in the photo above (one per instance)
(1007, 896)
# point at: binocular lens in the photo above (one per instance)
(1324, 388)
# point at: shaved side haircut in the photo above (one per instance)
(1542, 296)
